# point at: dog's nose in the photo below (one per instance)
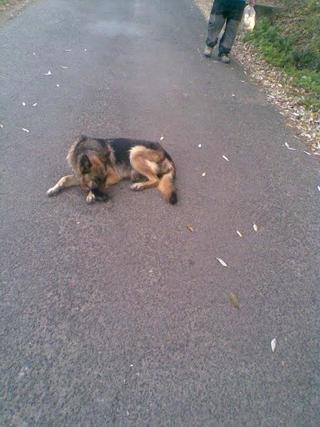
(98, 180)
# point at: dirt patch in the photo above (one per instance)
(11, 8)
(276, 84)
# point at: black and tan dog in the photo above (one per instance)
(99, 163)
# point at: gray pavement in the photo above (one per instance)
(115, 314)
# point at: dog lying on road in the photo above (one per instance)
(99, 163)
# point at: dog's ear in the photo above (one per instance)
(85, 164)
(82, 138)
(108, 150)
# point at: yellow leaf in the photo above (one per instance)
(234, 300)
(190, 228)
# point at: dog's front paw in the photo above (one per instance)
(52, 191)
(91, 198)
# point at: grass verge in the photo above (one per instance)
(291, 41)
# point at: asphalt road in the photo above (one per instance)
(116, 314)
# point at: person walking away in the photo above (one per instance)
(228, 12)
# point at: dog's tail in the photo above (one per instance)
(166, 184)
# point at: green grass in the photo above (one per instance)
(292, 41)
(3, 2)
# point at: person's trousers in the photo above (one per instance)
(224, 12)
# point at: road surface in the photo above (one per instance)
(117, 314)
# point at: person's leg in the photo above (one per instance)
(214, 28)
(229, 36)
(215, 25)
(216, 22)
(234, 15)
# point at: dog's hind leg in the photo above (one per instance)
(64, 182)
(147, 169)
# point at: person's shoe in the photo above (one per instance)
(208, 51)
(224, 57)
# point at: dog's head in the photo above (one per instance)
(93, 171)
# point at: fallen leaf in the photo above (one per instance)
(222, 262)
(234, 300)
(239, 234)
(255, 227)
(225, 158)
(190, 228)
(289, 148)
(25, 130)
(273, 345)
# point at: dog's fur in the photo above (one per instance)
(99, 163)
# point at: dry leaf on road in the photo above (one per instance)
(190, 228)
(289, 148)
(234, 300)
(222, 262)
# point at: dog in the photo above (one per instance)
(98, 164)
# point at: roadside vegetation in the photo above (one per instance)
(291, 40)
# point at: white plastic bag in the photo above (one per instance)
(249, 18)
